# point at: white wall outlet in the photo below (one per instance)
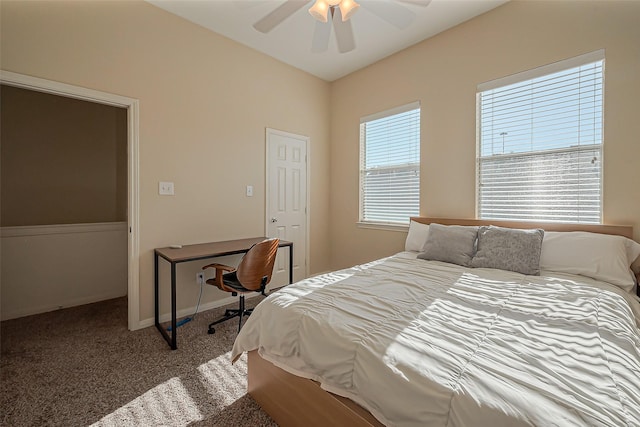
(200, 278)
(165, 188)
(249, 190)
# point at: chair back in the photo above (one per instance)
(257, 264)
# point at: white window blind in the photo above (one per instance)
(539, 152)
(390, 165)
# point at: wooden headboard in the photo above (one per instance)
(621, 230)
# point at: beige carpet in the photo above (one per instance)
(81, 366)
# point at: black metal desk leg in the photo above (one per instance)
(156, 287)
(291, 264)
(173, 307)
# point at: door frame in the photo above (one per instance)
(268, 133)
(133, 174)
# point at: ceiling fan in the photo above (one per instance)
(336, 13)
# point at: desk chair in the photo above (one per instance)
(252, 275)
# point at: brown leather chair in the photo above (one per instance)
(252, 275)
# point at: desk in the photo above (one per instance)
(194, 253)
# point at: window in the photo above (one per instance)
(539, 154)
(390, 166)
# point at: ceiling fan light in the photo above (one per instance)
(319, 10)
(348, 8)
(333, 2)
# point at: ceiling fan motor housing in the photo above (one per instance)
(320, 9)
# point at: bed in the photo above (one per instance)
(415, 340)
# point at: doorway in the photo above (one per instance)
(287, 200)
(132, 208)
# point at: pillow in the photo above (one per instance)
(600, 256)
(416, 237)
(509, 249)
(450, 243)
(633, 250)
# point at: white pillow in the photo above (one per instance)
(600, 256)
(416, 237)
(633, 250)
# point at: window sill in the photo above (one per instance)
(383, 226)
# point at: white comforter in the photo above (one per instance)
(424, 343)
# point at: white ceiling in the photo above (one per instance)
(290, 42)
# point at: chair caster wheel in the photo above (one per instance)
(212, 331)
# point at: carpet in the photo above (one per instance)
(81, 366)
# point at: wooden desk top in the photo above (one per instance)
(210, 250)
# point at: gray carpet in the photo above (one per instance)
(81, 366)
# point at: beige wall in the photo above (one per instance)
(443, 73)
(64, 161)
(205, 102)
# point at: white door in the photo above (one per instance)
(287, 202)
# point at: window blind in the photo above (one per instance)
(390, 165)
(540, 146)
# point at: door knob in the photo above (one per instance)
(274, 220)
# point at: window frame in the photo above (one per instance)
(383, 225)
(563, 65)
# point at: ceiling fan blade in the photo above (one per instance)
(423, 3)
(344, 33)
(321, 34)
(279, 14)
(247, 4)
(395, 14)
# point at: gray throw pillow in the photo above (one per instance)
(450, 243)
(509, 249)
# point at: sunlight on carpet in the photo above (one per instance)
(222, 380)
(170, 402)
(167, 403)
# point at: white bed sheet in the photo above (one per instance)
(425, 343)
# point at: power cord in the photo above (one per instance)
(189, 319)
(199, 298)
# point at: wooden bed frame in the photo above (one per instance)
(294, 401)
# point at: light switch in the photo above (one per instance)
(249, 190)
(165, 188)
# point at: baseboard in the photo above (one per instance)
(145, 323)
(15, 314)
